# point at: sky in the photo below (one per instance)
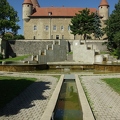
(17, 5)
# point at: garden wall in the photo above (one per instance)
(22, 47)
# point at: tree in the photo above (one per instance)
(112, 30)
(8, 36)
(19, 37)
(8, 18)
(98, 32)
(82, 23)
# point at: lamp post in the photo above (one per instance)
(50, 13)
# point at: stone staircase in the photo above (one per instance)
(53, 53)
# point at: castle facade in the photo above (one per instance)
(53, 22)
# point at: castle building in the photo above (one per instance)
(53, 22)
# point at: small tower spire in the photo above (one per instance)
(27, 2)
(104, 13)
(104, 9)
(104, 3)
(27, 9)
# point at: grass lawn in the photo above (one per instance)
(114, 83)
(10, 87)
(15, 58)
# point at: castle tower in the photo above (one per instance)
(104, 10)
(27, 9)
(104, 14)
(35, 3)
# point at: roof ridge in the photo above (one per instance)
(68, 12)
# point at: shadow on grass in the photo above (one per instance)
(9, 89)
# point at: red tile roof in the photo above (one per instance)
(62, 11)
(27, 2)
(104, 3)
(35, 3)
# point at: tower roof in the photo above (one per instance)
(104, 3)
(27, 2)
(35, 3)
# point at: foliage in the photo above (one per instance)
(112, 30)
(10, 87)
(8, 18)
(8, 37)
(86, 23)
(19, 37)
(1, 56)
(97, 26)
(114, 83)
(13, 37)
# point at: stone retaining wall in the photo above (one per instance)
(98, 44)
(22, 47)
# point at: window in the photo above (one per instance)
(46, 27)
(54, 27)
(62, 28)
(68, 28)
(35, 27)
(57, 36)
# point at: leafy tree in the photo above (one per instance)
(19, 37)
(82, 23)
(9, 36)
(1, 56)
(98, 32)
(112, 30)
(8, 18)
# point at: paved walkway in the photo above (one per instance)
(104, 101)
(30, 104)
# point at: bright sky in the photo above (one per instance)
(17, 5)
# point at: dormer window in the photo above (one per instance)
(49, 13)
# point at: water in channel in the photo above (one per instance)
(68, 105)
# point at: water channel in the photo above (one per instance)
(68, 105)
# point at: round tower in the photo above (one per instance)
(104, 10)
(27, 9)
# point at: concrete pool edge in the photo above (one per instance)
(52, 102)
(87, 113)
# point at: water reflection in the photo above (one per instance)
(68, 105)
